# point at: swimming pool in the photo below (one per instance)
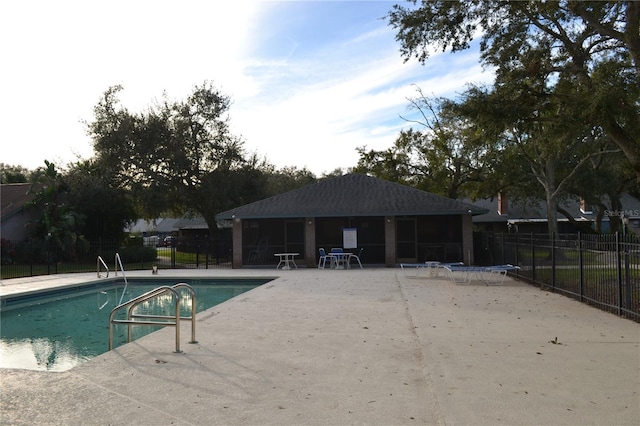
(57, 329)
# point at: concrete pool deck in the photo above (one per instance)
(372, 346)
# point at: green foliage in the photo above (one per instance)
(48, 251)
(131, 250)
(565, 95)
(8, 252)
(286, 179)
(129, 255)
(106, 209)
(13, 174)
(585, 54)
(59, 225)
(177, 156)
(445, 155)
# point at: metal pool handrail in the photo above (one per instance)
(167, 320)
(192, 293)
(126, 284)
(98, 262)
(191, 318)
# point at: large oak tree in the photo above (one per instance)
(594, 45)
(177, 156)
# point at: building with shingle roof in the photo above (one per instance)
(15, 211)
(392, 223)
(530, 215)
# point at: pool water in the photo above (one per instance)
(57, 330)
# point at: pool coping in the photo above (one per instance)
(112, 281)
(357, 347)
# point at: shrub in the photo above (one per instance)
(8, 254)
(138, 254)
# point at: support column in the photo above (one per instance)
(390, 241)
(310, 242)
(236, 252)
(467, 240)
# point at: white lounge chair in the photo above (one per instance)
(462, 274)
(413, 270)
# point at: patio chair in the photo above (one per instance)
(323, 259)
(340, 257)
(356, 257)
(258, 254)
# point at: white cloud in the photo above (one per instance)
(59, 57)
(309, 82)
(320, 125)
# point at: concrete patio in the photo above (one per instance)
(372, 346)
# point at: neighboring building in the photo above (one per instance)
(530, 216)
(161, 227)
(153, 231)
(192, 228)
(15, 214)
(392, 223)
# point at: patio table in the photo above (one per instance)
(286, 259)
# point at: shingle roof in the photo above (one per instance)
(161, 225)
(351, 195)
(191, 222)
(167, 225)
(532, 209)
(13, 197)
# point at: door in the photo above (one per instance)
(406, 245)
(294, 237)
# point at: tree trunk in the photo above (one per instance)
(552, 212)
(550, 192)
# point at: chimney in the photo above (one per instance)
(585, 208)
(503, 205)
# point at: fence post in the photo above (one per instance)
(48, 256)
(627, 272)
(553, 261)
(580, 268)
(142, 247)
(619, 272)
(31, 256)
(197, 253)
(206, 247)
(533, 259)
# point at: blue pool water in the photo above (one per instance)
(59, 329)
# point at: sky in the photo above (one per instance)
(309, 81)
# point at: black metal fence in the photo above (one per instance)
(34, 257)
(601, 270)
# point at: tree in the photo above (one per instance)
(286, 179)
(106, 210)
(535, 123)
(13, 174)
(443, 156)
(601, 184)
(177, 156)
(59, 225)
(594, 44)
(391, 164)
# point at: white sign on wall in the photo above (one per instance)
(349, 238)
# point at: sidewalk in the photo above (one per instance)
(326, 347)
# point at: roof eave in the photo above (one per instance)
(473, 212)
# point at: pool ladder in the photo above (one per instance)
(117, 262)
(158, 320)
(99, 262)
